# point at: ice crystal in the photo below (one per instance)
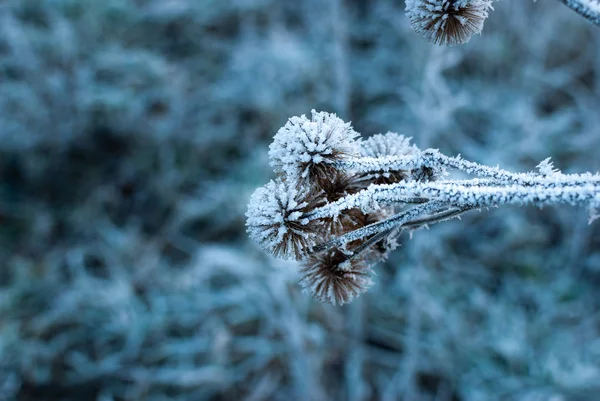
(546, 167)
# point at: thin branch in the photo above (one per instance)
(370, 242)
(437, 218)
(433, 158)
(335, 208)
(589, 9)
(463, 192)
(384, 225)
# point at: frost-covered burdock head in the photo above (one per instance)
(275, 219)
(389, 144)
(447, 22)
(331, 278)
(307, 149)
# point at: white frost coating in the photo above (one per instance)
(589, 9)
(447, 22)
(381, 163)
(301, 143)
(455, 194)
(434, 159)
(388, 144)
(275, 222)
(479, 193)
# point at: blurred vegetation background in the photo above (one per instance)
(133, 132)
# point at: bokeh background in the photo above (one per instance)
(133, 132)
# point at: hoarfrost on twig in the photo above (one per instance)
(338, 201)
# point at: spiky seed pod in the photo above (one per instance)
(339, 185)
(306, 149)
(448, 22)
(275, 219)
(331, 278)
(389, 144)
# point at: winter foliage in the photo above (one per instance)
(133, 134)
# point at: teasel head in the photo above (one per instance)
(448, 22)
(307, 150)
(276, 219)
(333, 277)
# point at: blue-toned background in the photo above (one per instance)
(133, 132)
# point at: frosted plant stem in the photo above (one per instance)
(375, 164)
(460, 198)
(589, 9)
(481, 196)
(335, 208)
(436, 217)
(459, 193)
(371, 241)
(384, 225)
(433, 158)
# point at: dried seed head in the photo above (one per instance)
(275, 219)
(331, 278)
(307, 149)
(448, 22)
(389, 144)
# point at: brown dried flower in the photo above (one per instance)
(331, 277)
(448, 22)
